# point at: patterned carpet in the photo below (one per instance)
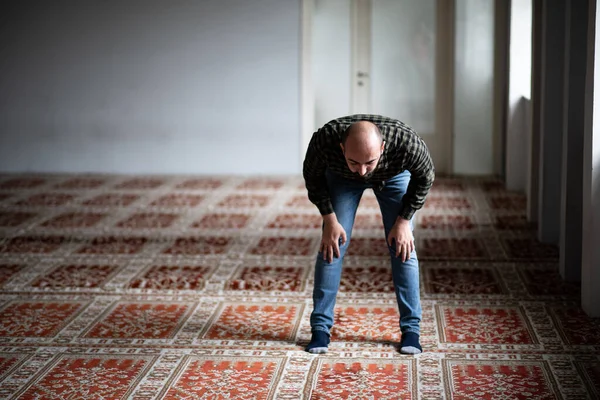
(199, 288)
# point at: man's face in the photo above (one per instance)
(362, 160)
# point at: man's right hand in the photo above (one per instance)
(330, 242)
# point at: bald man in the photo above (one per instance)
(345, 157)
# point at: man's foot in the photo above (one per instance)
(409, 344)
(318, 343)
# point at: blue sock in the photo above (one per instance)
(318, 343)
(409, 344)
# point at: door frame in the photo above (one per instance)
(444, 105)
(307, 96)
(444, 80)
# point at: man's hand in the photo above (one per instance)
(402, 238)
(332, 232)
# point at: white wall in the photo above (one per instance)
(474, 88)
(150, 86)
(519, 95)
(331, 59)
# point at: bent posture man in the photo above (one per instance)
(345, 157)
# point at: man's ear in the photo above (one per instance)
(382, 145)
(342, 146)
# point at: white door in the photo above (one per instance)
(387, 57)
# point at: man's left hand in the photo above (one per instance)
(402, 238)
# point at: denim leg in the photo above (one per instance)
(405, 274)
(345, 196)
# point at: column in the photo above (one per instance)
(551, 124)
(573, 138)
(590, 267)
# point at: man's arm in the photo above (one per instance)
(422, 173)
(314, 174)
(318, 193)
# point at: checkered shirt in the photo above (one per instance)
(404, 150)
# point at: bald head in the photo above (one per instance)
(362, 145)
(363, 133)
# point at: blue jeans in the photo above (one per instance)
(345, 196)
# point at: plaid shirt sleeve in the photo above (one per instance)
(418, 162)
(314, 174)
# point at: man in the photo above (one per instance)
(345, 157)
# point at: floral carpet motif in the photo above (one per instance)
(172, 287)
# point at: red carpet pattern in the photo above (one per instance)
(180, 287)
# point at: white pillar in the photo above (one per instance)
(518, 132)
(533, 170)
(590, 274)
(551, 126)
(573, 139)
